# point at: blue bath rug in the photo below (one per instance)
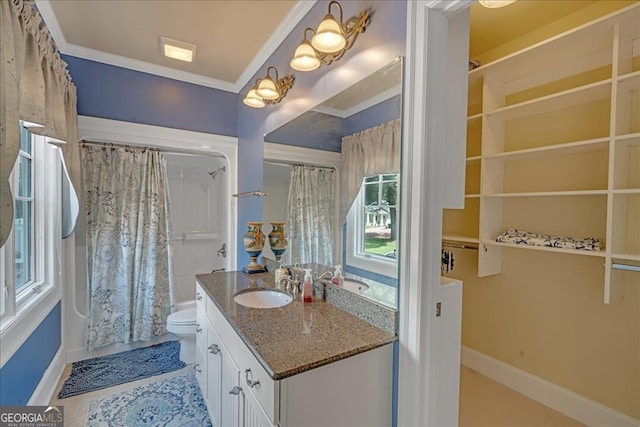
(114, 369)
(174, 402)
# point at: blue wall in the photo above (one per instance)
(117, 93)
(20, 376)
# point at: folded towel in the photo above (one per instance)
(532, 239)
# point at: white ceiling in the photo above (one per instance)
(233, 38)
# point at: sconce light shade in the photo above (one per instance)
(305, 59)
(267, 89)
(328, 38)
(253, 100)
(494, 4)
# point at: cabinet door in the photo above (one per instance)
(200, 369)
(214, 376)
(253, 414)
(230, 391)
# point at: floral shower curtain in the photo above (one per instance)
(311, 214)
(128, 244)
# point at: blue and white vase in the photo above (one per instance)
(253, 241)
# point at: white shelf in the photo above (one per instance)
(548, 194)
(627, 191)
(596, 144)
(588, 46)
(462, 239)
(625, 257)
(545, 249)
(569, 98)
(599, 163)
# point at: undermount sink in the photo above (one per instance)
(354, 285)
(262, 298)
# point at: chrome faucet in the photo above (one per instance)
(325, 275)
(288, 281)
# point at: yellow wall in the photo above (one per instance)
(544, 313)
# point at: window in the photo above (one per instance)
(372, 226)
(28, 257)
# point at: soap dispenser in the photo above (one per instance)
(280, 273)
(307, 286)
(337, 278)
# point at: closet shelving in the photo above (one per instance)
(553, 147)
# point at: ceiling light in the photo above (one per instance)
(268, 90)
(178, 50)
(494, 4)
(330, 41)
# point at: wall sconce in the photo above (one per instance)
(268, 90)
(329, 42)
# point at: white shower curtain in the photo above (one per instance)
(130, 278)
(311, 214)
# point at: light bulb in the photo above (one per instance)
(253, 100)
(305, 58)
(329, 37)
(267, 89)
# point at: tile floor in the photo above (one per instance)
(483, 403)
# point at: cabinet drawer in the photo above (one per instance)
(253, 377)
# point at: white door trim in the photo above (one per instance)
(424, 127)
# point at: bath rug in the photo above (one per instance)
(114, 369)
(174, 402)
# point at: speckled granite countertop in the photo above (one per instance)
(297, 337)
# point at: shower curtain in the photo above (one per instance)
(311, 214)
(128, 231)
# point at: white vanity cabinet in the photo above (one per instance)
(239, 391)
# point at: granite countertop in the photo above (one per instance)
(297, 337)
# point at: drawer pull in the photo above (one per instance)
(236, 390)
(196, 367)
(198, 328)
(198, 296)
(214, 349)
(250, 383)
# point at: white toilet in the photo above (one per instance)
(182, 323)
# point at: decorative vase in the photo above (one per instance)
(253, 241)
(277, 240)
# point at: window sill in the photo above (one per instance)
(373, 264)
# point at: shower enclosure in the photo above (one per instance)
(197, 187)
(201, 170)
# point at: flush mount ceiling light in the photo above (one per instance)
(268, 90)
(494, 4)
(330, 41)
(178, 50)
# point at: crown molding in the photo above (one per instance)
(300, 9)
(288, 24)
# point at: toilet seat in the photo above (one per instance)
(182, 317)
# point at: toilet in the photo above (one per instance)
(182, 323)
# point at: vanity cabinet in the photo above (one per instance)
(239, 391)
(553, 147)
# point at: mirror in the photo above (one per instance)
(372, 103)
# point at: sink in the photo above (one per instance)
(262, 298)
(354, 285)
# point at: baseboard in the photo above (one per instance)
(46, 388)
(561, 399)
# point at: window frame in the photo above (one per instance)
(23, 309)
(355, 255)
